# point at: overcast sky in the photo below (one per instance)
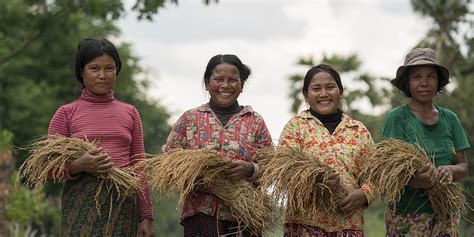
(268, 36)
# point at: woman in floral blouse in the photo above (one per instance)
(223, 125)
(325, 133)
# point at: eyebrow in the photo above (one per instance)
(323, 84)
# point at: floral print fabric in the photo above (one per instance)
(343, 150)
(200, 128)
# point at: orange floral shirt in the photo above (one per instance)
(342, 150)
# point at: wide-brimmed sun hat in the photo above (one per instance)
(421, 57)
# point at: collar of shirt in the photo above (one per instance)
(206, 108)
(346, 121)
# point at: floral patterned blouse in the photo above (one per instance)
(199, 128)
(342, 150)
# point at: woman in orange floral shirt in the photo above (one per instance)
(325, 133)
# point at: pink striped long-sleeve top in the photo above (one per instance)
(114, 125)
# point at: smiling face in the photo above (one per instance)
(323, 94)
(423, 83)
(100, 74)
(224, 85)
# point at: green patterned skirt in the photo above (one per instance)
(80, 217)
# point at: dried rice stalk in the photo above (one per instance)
(186, 171)
(48, 158)
(447, 199)
(290, 175)
(391, 163)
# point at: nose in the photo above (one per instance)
(324, 92)
(424, 82)
(101, 73)
(225, 83)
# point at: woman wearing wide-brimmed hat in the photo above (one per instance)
(439, 132)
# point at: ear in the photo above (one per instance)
(305, 97)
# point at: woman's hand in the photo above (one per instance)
(425, 177)
(445, 175)
(332, 183)
(145, 228)
(238, 169)
(93, 161)
(355, 199)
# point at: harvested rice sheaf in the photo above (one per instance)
(391, 163)
(48, 158)
(447, 200)
(301, 181)
(186, 171)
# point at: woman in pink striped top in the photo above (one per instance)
(117, 129)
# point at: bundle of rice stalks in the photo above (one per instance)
(302, 181)
(448, 200)
(48, 158)
(186, 171)
(391, 163)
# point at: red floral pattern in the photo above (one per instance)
(200, 128)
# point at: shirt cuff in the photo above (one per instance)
(67, 174)
(255, 172)
(369, 191)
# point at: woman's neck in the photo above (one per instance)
(426, 112)
(232, 109)
(422, 107)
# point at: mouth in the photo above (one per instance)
(225, 94)
(324, 102)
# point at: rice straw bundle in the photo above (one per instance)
(294, 177)
(48, 158)
(447, 199)
(186, 171)
(391, 163)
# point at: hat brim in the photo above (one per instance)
(402, 70)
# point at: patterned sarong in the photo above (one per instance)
(419, 224)
(202, 225)
(79, 215)
(299, 230)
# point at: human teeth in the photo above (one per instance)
(225, 94)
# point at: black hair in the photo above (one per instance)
(321, 68)
(404, 86)
(231, 59)
(88, 49)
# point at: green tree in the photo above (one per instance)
(24, 212)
